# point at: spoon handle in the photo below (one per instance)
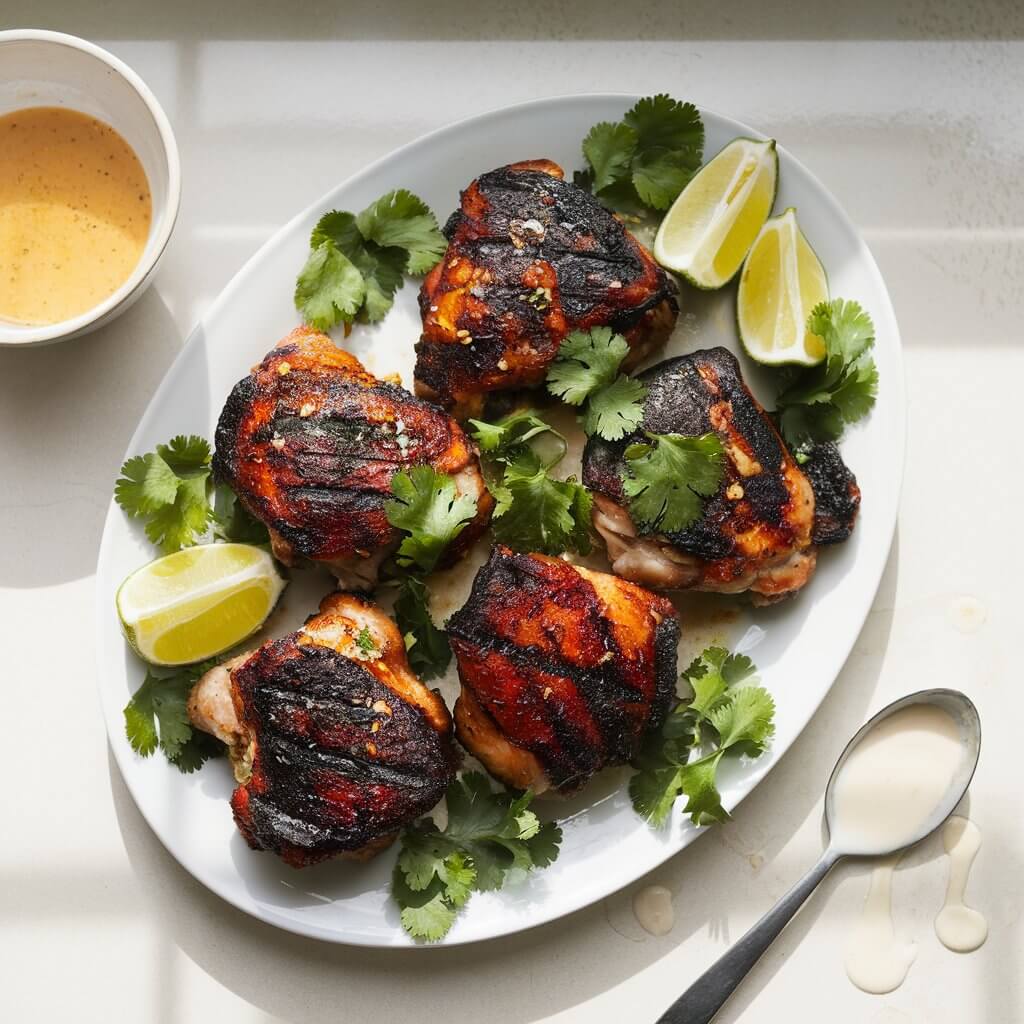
(706, 996)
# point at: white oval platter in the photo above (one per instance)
(799, 646)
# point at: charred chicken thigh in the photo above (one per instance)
(336, 745)
(530, 258)
(759, 532)
(309, 442)
(563, 669)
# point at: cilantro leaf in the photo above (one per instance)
(146, 484)
(824, 399)
(185, 455)
(609, 149)
(533, 510)
(542, 514)
(356, 262)
(157, 716)
(169, 489)
(660, 177)
(646, 159)
(403, 220)
(697, 782)
(508, 436)
(616, 411)
(427, 507)
(729, 714)
(232, 521)
(586, 369)
(661, 122)
(330, 289)
(587, 361)
(339, 228)
(489, 836)
(667, 478)
(427, 646)
(381, 266)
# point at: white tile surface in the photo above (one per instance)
(914, 116)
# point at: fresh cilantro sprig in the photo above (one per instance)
(823, 399)
(646, 159)
(586, 371)
(490, 838)
(157, 716)
(533, 510)
(668, 476)
(357, 261)
(172, 490)
(729, 714)
(428, 510)
(427, 646)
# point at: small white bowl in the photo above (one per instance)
(50, 69)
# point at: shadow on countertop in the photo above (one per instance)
(67, 412)
(530, 20)
(296, 978)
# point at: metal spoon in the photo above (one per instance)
(706, 996)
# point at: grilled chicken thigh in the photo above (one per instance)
(335, 743)
(309, 442)
(563, 669)
(530, 258)
(758, 533)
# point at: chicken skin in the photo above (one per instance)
(563, 670)
(531, 257)
(759, 532)
(310, 441)
(335, 744)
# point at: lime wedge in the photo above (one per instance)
(197, 602)
(710, 227)
(782, 281)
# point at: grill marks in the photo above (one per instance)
(310, 441)
(341, 761)
(531, 257)
(572, 666)
(763, 507)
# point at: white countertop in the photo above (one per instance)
(915, 120)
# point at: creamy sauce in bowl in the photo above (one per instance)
(75, 213)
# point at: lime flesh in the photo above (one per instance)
(196, 603)
(712, 224)
(782, 281)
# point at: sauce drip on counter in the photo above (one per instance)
(652, 906)
(876, 960)
(958, 926)
(75, 210)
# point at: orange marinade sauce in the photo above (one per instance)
(75, 211)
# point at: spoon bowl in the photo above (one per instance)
(968, 727)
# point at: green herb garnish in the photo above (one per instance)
(729, 714)
(823, 399)
(490, 838)
(586, 370)
(357, 262)
(668, 476)
(645, 160)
